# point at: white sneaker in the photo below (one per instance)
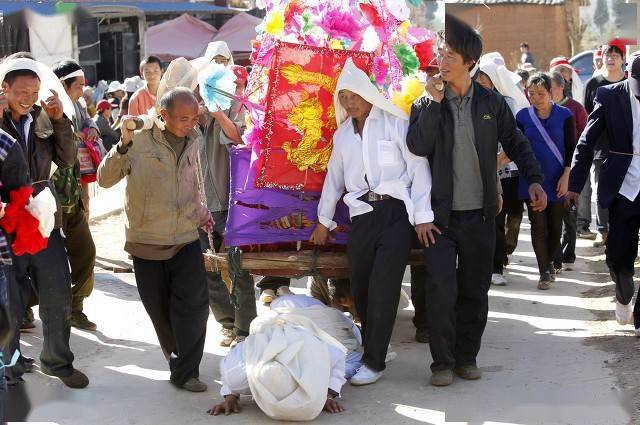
(498, 280)
(284, 290)
(267, 296)
(624, 313)
(391, 356)
(365, 376)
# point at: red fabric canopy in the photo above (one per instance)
(238, 32)
(184, 36)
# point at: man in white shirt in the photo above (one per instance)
(388, 190)
(616, 113)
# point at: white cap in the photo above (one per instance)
(115, 86)
(130, 85)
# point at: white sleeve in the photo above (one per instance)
(233, 373)
(338, 358)
(420, 174)
(332, 190)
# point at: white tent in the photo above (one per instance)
(184, 36)
(238, 33)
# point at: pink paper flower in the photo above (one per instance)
(337, 23)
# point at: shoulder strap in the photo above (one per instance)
(545, 135)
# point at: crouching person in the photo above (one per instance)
(293, 361)
(387, 192)
(163, 213)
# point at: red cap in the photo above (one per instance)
(240, 72)
(560, 61)
(103, 105)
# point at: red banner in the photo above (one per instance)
(300, 116)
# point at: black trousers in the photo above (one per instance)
(458, 277)
(378, 250)
(567, 250)
(219, 298)
(417, 288)
(546, 227)
(622, 247)
(507, 223)
(272, 282)
(46, 273)
(174, 293)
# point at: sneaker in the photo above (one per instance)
(567, 266)
(391, 356)
(545, 281)
(77, 379)
(194, 385)
(238, 340)
(601, 240)
(637, 332)
(624, 313)
(283, 290)
(422, 335)
(442, 378)
(498, 280)
(228, 335)
(267, 296)
(586, 234)
(469, 372)
(365, 376)
(79, 320)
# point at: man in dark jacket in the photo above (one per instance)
(616, 115)
(458, 130)
(45, 135)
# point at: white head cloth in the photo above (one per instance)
(288, 366)
(179, 73)
(329, 319)
(357, 81)
(577, 88)
(505, 81)
(215, 48)
(48, 81)
(115, 86)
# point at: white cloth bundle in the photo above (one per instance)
(43, 207)
(505, 81)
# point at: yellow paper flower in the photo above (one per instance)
(404, 27)
(336, 44)
(275, 23)
(412, 89)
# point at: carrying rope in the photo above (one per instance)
(203, 199)
(14, 360)
(234, 263)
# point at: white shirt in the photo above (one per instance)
(27, 128)
(631, 185)
(382, 155)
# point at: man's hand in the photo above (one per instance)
(571, 198)
(563, 184)
(92, 135)
(1, 210)
(128, 122)
(228, 406)
(333, 406)
(426, 233)
(538, 197)
(435, 88)
(207, 222)
(503, 159)
(320, 235)
(53, 106)
(217, 114)
(500, 203)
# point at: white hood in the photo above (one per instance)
(577, 88)
(179, 73)
(288, 366)
(505, 81)
(214, 49)
(357, 81)
(48, 81)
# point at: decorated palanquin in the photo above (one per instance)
(300, 117)
(277, 177)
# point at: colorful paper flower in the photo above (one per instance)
(407, 58)
(412, 89)
(339, 23)
(274, 23)
(217, 86)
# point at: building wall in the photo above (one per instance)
(504, 27)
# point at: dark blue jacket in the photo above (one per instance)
(611, 116)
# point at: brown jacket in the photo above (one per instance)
(162, 199)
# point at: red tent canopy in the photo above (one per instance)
(184, 36)
(238, 32)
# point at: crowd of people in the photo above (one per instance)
(453, 178)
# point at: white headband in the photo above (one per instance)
(76, 73)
